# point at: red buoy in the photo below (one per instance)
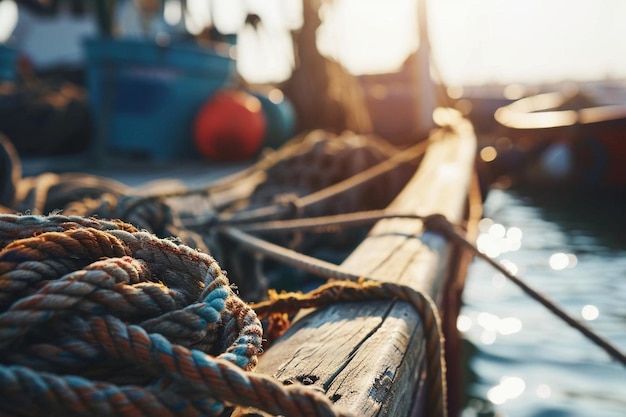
(230, 126)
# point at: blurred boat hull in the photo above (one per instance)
(564, 138)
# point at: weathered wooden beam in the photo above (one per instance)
(369, 357)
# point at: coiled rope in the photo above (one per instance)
(97, 318)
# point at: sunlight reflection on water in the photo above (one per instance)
(590, 312)
(525, 362)
(495, 239)
(510, 387)
(562, 260)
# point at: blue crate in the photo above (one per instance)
(144, 97)
(8, 63)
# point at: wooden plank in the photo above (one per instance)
(369, 357)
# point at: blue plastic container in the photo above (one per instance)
(8, 63)
(144, 97)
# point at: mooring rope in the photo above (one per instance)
(330, 223)
(448, 229)
(185, 382)
(15, 226)
(436, 222)
(301, 204)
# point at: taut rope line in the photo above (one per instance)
(323, 223)
(440, 224)
(302, 203)
(435, 222)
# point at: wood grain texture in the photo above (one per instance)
(368, 357)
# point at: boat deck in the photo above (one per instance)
(368, 358)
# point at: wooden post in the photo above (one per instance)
(369, 357)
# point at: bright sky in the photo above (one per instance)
(474, 41)
(478, 41)
(370, 35)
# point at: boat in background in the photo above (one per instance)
(572, 137)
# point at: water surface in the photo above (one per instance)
(524, 361)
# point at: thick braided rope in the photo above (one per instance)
(192, 377)
(117, 285)
(356, 287)
(172, 264)
(53, 395)
(14, 226)
(50, 278)
(27, 263)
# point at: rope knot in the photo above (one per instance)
(440, 224)
(291, 204)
